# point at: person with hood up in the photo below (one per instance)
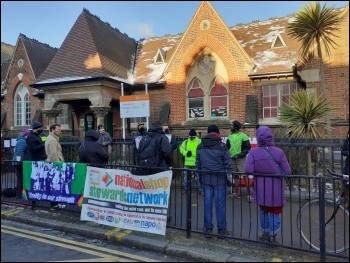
(154, 153)
(213, 163)
(91, 152)
(20, 154)
(268, 191)
(137, 138)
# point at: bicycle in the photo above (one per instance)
(336, 216)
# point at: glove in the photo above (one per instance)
(189, 154)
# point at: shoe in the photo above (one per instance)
(224, 232)
(237, 195)
(59, 206)
(184, 192)
(249, 198)
(272, 239)
(264, 237)
(208, 233)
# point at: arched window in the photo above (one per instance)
(218, 99)
(22, 106)
(195, 100)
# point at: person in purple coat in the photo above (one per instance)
(268, 191)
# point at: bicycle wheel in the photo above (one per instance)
(336, 231)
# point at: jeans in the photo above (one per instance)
(188, 173)
(270, 223)
(215, 193)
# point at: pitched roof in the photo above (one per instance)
(255, 38)
(4, 68)
(91, 49)
(147, 70)
(6, 52)
(39, 54)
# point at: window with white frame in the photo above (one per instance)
(22, 106)
(274, 96)
(218, 99)
(195, 100)
(63, 117)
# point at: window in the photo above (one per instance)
(63, 117)
(195, 100)
(22, 106)
(274, 96)
(218, 99)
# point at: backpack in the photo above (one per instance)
(148, 152)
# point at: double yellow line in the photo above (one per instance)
(104, 254)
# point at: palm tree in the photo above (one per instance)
(302, 118)
(315, 26)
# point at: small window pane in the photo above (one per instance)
(195, 108)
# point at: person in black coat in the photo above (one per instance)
(36, 147)
(91, 151)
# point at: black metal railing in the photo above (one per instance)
(187, 210)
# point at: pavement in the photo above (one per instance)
(197, 248)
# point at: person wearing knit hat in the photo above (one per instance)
(36, 147)
(213, 128)
(20, 154)
(213, 162)
(188, 151)
(25, 132)
(239, 146)
(37, 125)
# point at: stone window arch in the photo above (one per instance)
(22, 106)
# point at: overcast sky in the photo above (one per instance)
(50, 21)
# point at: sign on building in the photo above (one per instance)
(134, 106)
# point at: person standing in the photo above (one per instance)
(345, 152)
(20, 154)
(36, 147)
(268, 191)
(53, 147)
(53, 151)
(104, 138)
(91, 152)
(172, 138)
(154, 154)
(213, 163)
(188, 150)
(239, 146)
(137, 138)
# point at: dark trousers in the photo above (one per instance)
(19, 175)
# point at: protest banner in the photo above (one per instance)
(120, 199)
(54, 181)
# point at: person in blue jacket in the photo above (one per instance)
(20, 154)
(213, 163)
